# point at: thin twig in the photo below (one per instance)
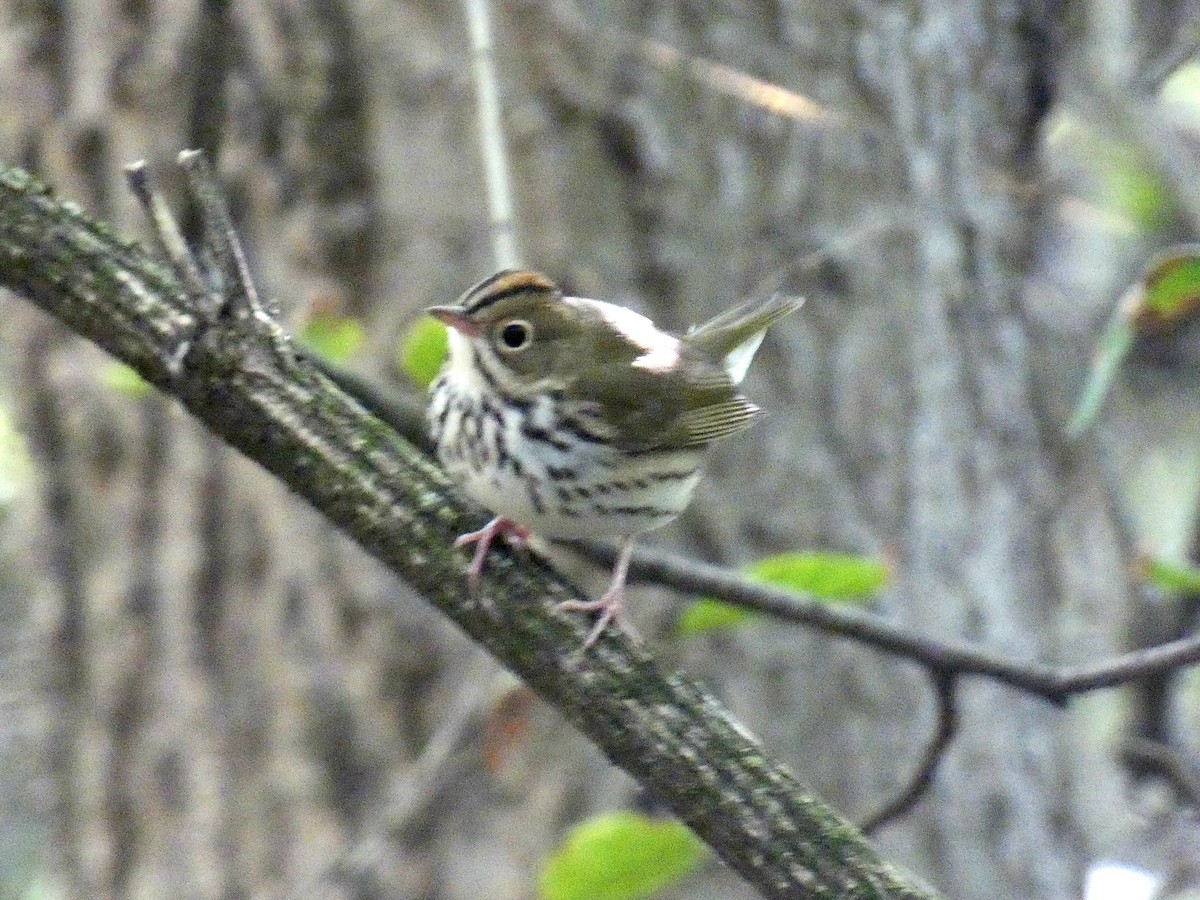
(221, 238)
(944, 684)
(207, 104)
(166, 232)
(169, 239)
(491, 137)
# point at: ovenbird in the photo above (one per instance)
(575, 418)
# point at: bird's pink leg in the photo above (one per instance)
(610, 604)
(517, 536)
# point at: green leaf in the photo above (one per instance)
(1168, 290)
(836, 577)
(121, 379)
(1173, 578)
(1172, 283)
(825, 576)
(711, 615)
(620, 856)
(1133, 189)
(1114, 346)
(423, 351)
(335, 338)
(1121, 178)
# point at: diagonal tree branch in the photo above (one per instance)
(239, 375)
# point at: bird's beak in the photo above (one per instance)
(454, 317)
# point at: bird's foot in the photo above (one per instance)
(610, 606)
(516, 535)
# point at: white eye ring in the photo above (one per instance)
(515, 335)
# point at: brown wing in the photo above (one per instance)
(642, 410)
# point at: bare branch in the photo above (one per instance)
(947, 726)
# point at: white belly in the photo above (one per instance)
(624, 500)
(522, 467)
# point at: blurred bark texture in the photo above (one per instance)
(209, 696)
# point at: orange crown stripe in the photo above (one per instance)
(505, 284)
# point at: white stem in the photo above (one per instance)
(491, 137)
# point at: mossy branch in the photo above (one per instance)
(227, 361)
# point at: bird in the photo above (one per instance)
(572, 418)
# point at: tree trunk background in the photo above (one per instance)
(208, 694)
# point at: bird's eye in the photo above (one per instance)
(515, 335)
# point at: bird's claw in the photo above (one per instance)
(611, 607)
(516, 535)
